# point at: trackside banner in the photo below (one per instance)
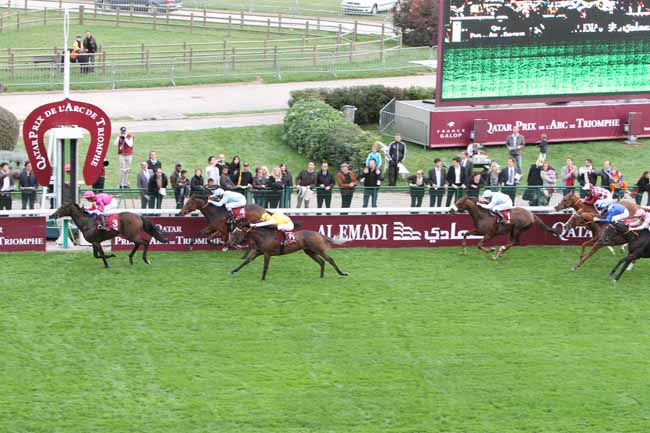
(67, 113)
(373, 231)
(22, 234)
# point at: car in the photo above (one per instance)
(150, 6)
(365, 7)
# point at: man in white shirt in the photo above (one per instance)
(515, 143)
(437, 183)
(510, 177)
(6, 186)
(124, 143)
(212, 171)
(456, 181)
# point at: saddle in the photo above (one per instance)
(506, 217)
(286, 238)
(239, 213)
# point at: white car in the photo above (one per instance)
(367, 6)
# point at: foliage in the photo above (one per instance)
(369, 100)
(418, 20)
(319, 132)
(9, 129)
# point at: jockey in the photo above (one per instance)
(281, 222)
(102, 203)
(641, 221)
(616, 213)
(596, 193)
(496, 202)
(231, 199)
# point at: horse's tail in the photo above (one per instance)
(336, 240)
(544, 227)
(151, 229)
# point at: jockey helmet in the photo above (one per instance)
(218, 192)
(89, 195)
(602, 204)
(640, 213)
(487, 194)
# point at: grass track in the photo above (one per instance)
(415, 340)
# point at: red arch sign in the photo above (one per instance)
(67, 113)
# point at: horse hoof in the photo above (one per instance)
(231, 273)
(495, 258)
(345, 274)
(574, 269)
(493, 249)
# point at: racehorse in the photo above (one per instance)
(486, 224)
(130, 226)
(638, 245)
(217, 217)
(267, 243)
(573, 201)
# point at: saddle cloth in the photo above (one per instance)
(239, 213)
(288, 239)
(112, 222)
(506, 215)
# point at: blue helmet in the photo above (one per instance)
(602, 204)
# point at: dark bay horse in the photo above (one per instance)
(217, 217)
(266, 243)
(486, 224)
(638, 245)
(130, 227)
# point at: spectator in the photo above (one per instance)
(305, 183)
(510, 178)
(605, 173)
(178, 184)
(197, 182)
(152, 163)
(586, 175)
(211, 186)
(396, 155)
(474, 149)
(98, 186)
(456, 181)
(492, 179)
(324, 183)
(375, 155)
(6, 186)
(371, 178)
(543, 146)
(28, 184)
(533, 192)
(437, 183)
(212, 171)
(617, 184)
(643, 189)
(549, 180)
(245, 180)
(234, 169)
(77, 48)
(287, 181)
(224, 180)
(515, 143)
(569, 175)
(274, 186)
(259, 186)
(475, 185)
(157, 189)
(466, 164)
(417, 184)
(347, 181)
(143, 184)
(90, 47)
(124, 143)
(221, 162)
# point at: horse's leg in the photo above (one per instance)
(473, 232)
(513, 239)
(595, 247)
(584, 245)
(253, 254)
(145, 250)
(100, 250)
(331, 261)
(200, 233)
(630, 258)
(267, 260)
(132, 253)
(95, 252)
(615, 268)
(486, 238)
(318, 260)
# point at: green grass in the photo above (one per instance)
(180, 346)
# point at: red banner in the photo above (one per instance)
(22, 234)
(571, 122)
(67, 113)
(373, 231)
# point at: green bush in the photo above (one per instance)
(320, 133)
(9, 128)
(369, 100)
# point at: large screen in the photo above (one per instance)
(494, 50)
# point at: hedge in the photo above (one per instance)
(369, 100)
(321, 133)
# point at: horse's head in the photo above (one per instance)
(568, 201)
(195, 202)
(613, 232)
(239, 234)
(463, 204)
(68, 209)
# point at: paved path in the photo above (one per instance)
(177, 102)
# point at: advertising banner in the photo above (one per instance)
(67, 113)
(372, 231)
(571, 122)
(22, 234)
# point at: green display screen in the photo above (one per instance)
(540, 49)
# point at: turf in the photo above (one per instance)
(428, 342)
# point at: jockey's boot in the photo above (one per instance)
(500, 217)
(102, 223)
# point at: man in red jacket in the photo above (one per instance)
(124, 144)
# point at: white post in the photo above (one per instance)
(66, 56)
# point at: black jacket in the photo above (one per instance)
(234, 170)
(432, 177)
(274, 183)
(196, 184)
(372, 178)
(306, 178)
(605, 180)
(469, 169)
(534, 176)
(591, 177)
(245, 178)
(643, 184)
(27, 181)
(503, 175)
(153, 185)
(396, 152)
(151, 166)
(324, 179)
(451, 176)
(287, 180)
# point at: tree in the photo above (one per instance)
(9, 128)
(418, 21)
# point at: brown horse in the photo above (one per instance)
(574, 202)
(130, 226)
(266, 242)
(486, 224)
(217, 217)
